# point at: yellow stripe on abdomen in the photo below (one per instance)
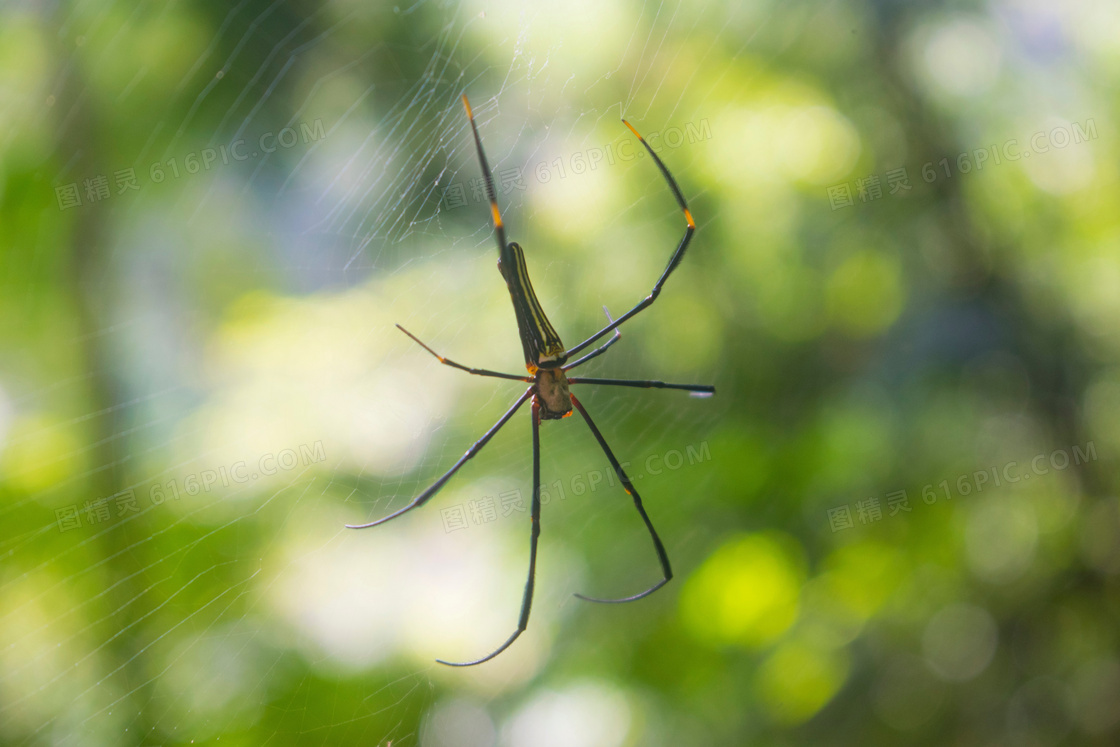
(538, 338)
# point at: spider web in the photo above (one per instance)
(247, 309)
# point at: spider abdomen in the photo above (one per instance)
(541, 343)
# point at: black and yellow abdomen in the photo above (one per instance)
(543, 348)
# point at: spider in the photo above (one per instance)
(546, 359)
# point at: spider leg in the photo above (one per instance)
(423, 498)
(647, 384)
(599, 350)
(628, 486)
(527, 599)
(495, 214)
(675, 260)
(460, 366)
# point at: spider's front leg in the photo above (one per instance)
(535, 533)
(424, 497)
(662, 556)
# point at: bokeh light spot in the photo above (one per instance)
(799, 679)
(746, 593)
(865, 294)
(959, 642)
(40, 452)
(590, 714)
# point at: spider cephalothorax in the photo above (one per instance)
(547, 362)
(552, 392)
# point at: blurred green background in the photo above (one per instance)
(896, 522)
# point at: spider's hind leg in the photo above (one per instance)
(601, 349)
